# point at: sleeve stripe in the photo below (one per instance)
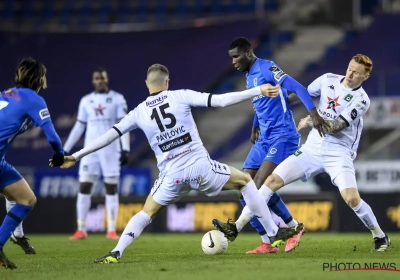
(209, 100)
(343, 118)
(81, 121)
(119, 132)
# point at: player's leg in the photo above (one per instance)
(14, 188)
(251, 166)
(18, 237)
(112, 206)
(303, 164)
(89, 171)
(256, 206)
(110, 168)
(346, 182)
(163, 193)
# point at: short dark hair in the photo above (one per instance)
(30, 73)
(242, 43)
(99, 70)
(158, 67)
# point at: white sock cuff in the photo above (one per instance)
(265, 191)
(143, 215)
(358, 207)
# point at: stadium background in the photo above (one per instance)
(305, 37)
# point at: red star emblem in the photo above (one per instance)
(99, 110)
(177, 182)
(333, 103)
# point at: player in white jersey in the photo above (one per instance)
(98, 112)
(343, 102)
(166, 119)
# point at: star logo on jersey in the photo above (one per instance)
(99, 110)
(333, 103)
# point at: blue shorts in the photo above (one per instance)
(274, 151)
(8, 174)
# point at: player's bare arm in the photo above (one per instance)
(332, 127)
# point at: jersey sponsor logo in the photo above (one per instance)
(332, 87)
(12, 94)
(99, 110)
(181, 153)
(258, 97)
(44, 113)
(353, 114)
(332, 76)
(333, 103)
(3, 104)
(156, 101)
(182, 181)
(348, 97)
(169, 134)
(255, 82)
(278, 73)
(175, 143)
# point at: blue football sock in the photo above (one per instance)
(13, 218)
(254, 221)
(277, 206)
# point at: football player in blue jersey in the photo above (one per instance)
(274, 132)
(20, 106)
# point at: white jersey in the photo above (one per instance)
(338, 101)
(100, 111)
(167, 121)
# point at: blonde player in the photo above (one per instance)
(343, 102)
(97, 113)
(166, 119)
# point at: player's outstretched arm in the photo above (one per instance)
(294, 86)
(54, 141)
(74, 135)
(104, 140)
(231, 98)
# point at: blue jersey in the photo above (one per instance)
(18, 108)
(274, 115)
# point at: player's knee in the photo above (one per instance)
(111, 189)
(351, 197)
(28, 200)
(32, 201)
(85, 188)
(274, 182)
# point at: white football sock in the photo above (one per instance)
(82, 210)
(364, 212)
(259, 208)
(19, 231)
(243, 219)
(292, 223)
(278, 220)
(112, 205)
(265, 239)
(266, 193)
(132, 231)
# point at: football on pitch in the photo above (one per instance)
(214, 242)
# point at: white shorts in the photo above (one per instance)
(104, 163)
(206, 176)
(309, 161)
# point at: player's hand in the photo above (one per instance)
(124, 159)
(318, 122)
(255, 132)
(57, 160)
(303, 123)
(68, 162)
(270, 90)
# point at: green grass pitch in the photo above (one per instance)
(179, 256)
